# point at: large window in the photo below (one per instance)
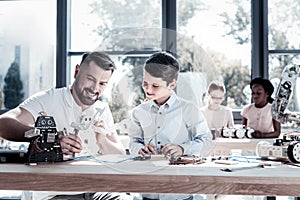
(213, 40)
(129, 31)
(218, 48)
(214, 43)
(27, 49)
(115, 25)
(119, 27)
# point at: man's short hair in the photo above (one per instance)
(100, 58)
(162, 65)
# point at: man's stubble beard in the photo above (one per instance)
(85, 100)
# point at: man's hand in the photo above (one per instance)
(100, 130)
(172, 150)
(70, 144)
(108, 142)
(148, 149)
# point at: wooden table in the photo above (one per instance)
(151, 176)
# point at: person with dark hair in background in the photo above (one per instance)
(258, 115)
(69, 105)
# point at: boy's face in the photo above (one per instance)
(156, 89)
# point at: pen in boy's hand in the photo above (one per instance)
(148, 149)
(152, 149)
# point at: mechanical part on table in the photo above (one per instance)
(237, 132)
(45, 144)
(85, 124)
(289, 146)
(286, 148)
(184, 160)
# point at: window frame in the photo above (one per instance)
(259, 41)
(64, 54)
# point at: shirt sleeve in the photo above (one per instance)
(230, 119)
(200, 142)
(136, 134)
(34, 104)
(244, 111)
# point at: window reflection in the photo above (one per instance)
(284, 29)
(115, 25)
(27, 49)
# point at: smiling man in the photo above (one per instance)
(75, 104)
(69, 105)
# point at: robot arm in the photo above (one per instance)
(287, 83)
(289, 145)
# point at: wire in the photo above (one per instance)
(92, 158)
(245, 159)
(111, 162)
(36, 146)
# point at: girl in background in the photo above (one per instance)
(217, 115)
(258, 115)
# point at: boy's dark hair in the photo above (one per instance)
(266, 84)
(162, 65)
(100, 58)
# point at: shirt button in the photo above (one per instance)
(159, 113)
(158, 127)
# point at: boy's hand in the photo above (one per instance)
(172, 150)
(148, 149)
